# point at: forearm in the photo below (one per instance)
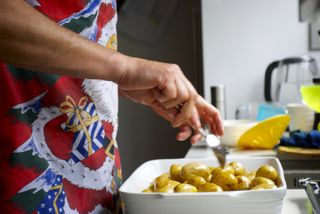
(30, 40)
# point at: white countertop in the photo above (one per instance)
(295, 201)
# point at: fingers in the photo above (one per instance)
(183, 94)
(168, 82)
(173, 88)
(197, 137)
(168, 114)
(184, 133)
(167, 94)
(210, 115)
(185, 114)
(164, 87)
(194, 121)
(194, 107)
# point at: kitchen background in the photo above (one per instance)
(241, 38)
(228, 42)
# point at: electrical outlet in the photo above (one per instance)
(314, 35)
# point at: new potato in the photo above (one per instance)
(243, 183)
(264, 186)
(185, 188)
(198, 177)
(210, 187)
(194, 169)
(161, 181)
(238, 168)
(175, 170)
(197, 181)
(267, 171)
(169, 187)
(261, 180)
(229, 169)
(224, 179)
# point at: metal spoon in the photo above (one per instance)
(213, 142)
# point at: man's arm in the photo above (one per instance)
(30, 40)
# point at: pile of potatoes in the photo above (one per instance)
(198, 177)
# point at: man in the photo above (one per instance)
(59, 104)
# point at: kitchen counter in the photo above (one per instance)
(296, 200)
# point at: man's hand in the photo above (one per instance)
(202, 111)
(159, 84)
(166, 90)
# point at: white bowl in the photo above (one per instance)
(233, 129)
(240, 202)
(302, 117)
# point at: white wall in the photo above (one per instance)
(241, 38)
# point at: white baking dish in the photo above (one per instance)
(240, 202)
